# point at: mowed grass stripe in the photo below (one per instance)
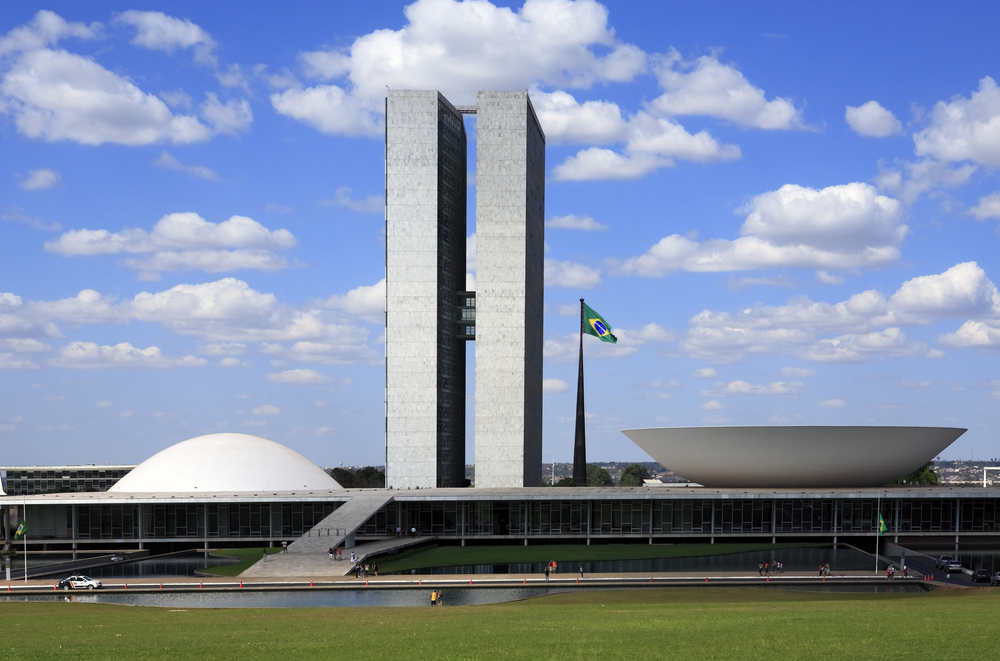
(648, 624)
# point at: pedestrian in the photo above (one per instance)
(413, 531)
(284, 547)
(767, 569)
(399, 532)
(821, 570)
(581, 571)
(434, 597)
(905, 573)
(760, 568)
(375, 569)
(547, 568)
(330, 552)
(440, 599)
(340, 554)
(263, 553)
(826, 569)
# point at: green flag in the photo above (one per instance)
(881, 525)
(21, 531)
(594, 324)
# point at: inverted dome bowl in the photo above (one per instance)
(778, 457)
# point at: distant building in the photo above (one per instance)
(32, 480)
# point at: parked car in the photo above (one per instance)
(981, 576)
(996, 579)
(118, 557)
(79, 583)
(948, 563)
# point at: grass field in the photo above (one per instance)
(450, 556)
(643, 624)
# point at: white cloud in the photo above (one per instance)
(974, 334)
(911, 180)
(564, 348)
(103, 404)
(178, 99)
(965, 129)
(653, 143)
(45, 29)
(10, 361)
(91, 355)
(794, 388)
(713, 406)
(554, 386)
(167, 160)
(705, 86)
(223, 349)
(846, 226)
(56, 95)
(299, 377)
(569, 274)
(565, 120)
(368, 302)
(988, 207)
(833, 403)
(185, 241)
(370, 204)
(705, 373)
(16, 214)
(279, 209)
(233, 362)
(867, 323)
(571, 222)
(39, 179)
(828, 278)
(872, 120)
(157, 31)
(232, 117)
(267, 409)
(860, 347)
(459, 46)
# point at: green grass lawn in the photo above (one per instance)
(641, 624)
(449, 556)
(247, 557)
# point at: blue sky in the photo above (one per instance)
(790, 214)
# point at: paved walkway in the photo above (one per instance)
(319, 565)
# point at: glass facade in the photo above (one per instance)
(45, 479)
(647, 517)
(197, 520)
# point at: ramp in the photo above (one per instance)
(307, 556)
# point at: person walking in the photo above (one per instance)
(906, 574)
(434, 597)
(330, 552)
(284, 547)
(760, 568)
(581, 571)
(547, 568)
(767, 569)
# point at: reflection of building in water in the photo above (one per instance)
(31, 480)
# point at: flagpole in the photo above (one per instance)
(580, 440)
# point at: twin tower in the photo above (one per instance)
(430, 315)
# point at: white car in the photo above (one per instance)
(79, 583)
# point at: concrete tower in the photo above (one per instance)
(425, 212)
(429, 316)
(510, 243)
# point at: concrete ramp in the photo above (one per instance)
(342, 524)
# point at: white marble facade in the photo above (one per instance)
(510, 211)
(510, 240)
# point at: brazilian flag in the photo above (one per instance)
(594, 324)
(21, 531)
(881, 525)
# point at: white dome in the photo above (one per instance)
(225, 462)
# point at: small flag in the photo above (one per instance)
(594, 324)
(21, 531)
(881, 525)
